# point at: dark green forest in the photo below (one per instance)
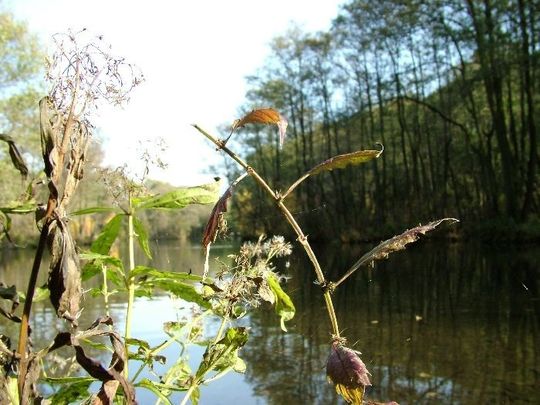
(450, 88)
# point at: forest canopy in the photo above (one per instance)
(449, 88)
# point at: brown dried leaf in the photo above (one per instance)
(15, 155)
(76, 162)
(93, 367)
(341, 161)
(48, 138)
(64, 281)
(263, 116)
(394, 244)
(213, 225)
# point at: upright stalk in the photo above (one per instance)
(25, 319)
(302, 238)
(130, 282)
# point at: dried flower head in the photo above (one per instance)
(348, 372)
(83, 72)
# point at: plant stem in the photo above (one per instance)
(23, 333)
(290, 219)
(130, 281)
(188, 394)
(105, 289)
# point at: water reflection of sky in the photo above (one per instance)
(454, 326)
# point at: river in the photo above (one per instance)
(437, 324)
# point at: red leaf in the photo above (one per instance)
(213, 225)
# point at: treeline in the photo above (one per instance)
(450, 88)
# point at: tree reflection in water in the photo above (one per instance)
(441, 324)
(437, 324)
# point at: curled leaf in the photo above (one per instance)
(64, 281)
(394, 244)
(338, 162)
(347, 372)
(282, 302)
(342, 161)
(214, 222)
(110, 377)
(15, 155)
(48, 138)
(264, 116)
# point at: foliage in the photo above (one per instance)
(344, 367)
(447, 86)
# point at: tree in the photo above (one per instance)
(21, 62)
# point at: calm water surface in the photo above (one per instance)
(437, 324)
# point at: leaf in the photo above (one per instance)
(180, 198)
(155, 388)
(48, 149)
(224, 353)
(15, 155)
(107, 236)
(67, 380)
(342, 161)
(263, 116)
(10, 294)
(20, 207)
(155, 274)
(40, 294)
(392, 245)
(100, 258)
(212, 226)
(64, 280)
(70, 392)
(337, 162)
(111, 377)
(94, 210)
(181, 290)
(283, 303)
(142, 236)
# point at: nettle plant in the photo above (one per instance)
(344, 367)
(80, 77)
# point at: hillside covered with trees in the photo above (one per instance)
(450, 88)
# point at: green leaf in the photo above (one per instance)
(68, 380)
(71, 391)
(142, 236)
(12, 389)
(152, 272)
(105, 259)
(174, 329)
(180, 198)
(195, 396)
(223, 354)
(20, 207)
(138, 342)
(114, 267)
(179, 374)
(108, 235)
(153, 387)
(95, 210)
(342, 161)
(283, 303)
(40, 294)
(181, 290)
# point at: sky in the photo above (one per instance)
(194, 55)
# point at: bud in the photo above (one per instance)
(348, 372)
